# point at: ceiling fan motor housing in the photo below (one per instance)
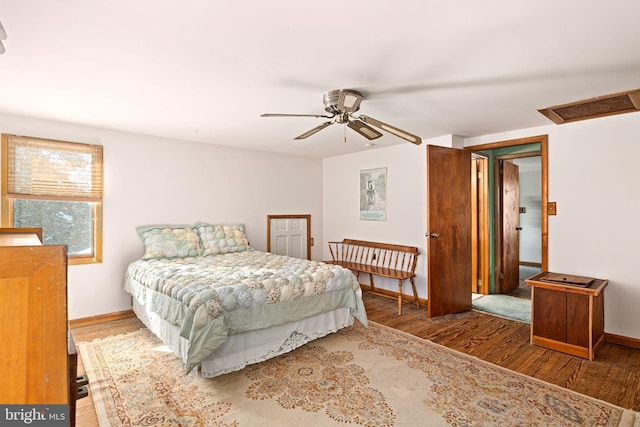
(342, 101)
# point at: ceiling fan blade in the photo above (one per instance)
(296, 115)
(314, 130)
(392, 129)
(364, 130)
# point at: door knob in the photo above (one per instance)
(434, 235)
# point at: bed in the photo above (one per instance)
(219, 304)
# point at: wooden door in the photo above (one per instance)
(510, 221)
(448, 230)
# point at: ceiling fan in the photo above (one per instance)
(341, 104)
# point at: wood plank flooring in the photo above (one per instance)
(613, 377)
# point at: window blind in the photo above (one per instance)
(53, 170)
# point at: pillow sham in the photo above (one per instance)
(221, 238)
(170, 241)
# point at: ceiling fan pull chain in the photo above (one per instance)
(345, 133)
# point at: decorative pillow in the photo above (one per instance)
(221, 239)
(170, 241)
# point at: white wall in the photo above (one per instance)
(592, 177)
(406, 202)
(151, 180)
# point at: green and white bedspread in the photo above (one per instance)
(211, 297)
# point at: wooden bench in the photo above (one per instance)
(380, 259)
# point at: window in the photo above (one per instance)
(55, 185)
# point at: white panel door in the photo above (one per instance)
(289, 237)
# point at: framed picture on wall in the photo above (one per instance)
(373, 194)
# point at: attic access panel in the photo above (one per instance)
(607, 105)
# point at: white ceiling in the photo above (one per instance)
(205, 70)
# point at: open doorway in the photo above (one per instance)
(509, 226)
(517, 215)
(522, 227)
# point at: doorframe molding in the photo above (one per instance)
(290, 216)
(480, 224)
(543, 140)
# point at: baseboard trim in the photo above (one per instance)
(94, 320)
(530, 264)
(625, 341)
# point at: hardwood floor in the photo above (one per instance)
(613, 377)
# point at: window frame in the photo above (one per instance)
(7, 203)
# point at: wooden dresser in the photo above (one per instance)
(33, 320)
(567, 313)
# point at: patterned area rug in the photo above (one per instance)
(367, 377)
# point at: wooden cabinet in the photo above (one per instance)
(33, 323)
(567, 313)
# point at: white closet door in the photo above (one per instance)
(289, 237)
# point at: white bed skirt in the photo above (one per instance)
(250, 347)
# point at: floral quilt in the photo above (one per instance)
(210, 297)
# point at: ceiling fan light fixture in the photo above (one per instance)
(349, 101)
(364, 130)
